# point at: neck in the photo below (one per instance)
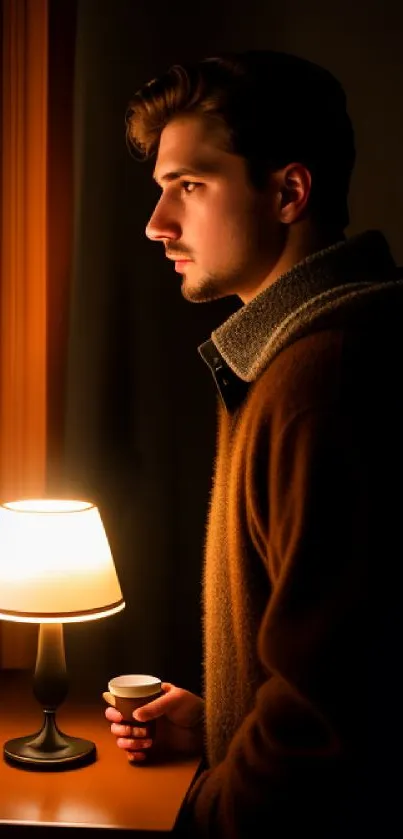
(301, 240)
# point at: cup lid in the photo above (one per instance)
(134, 684)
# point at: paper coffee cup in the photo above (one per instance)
(131, 691)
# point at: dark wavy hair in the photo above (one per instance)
(275, 109)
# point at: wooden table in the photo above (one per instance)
(107, 797)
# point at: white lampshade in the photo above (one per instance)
(56, 565)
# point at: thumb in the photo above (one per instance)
(157, 707)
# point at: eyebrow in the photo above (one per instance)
(185, 170)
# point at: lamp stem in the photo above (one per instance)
(50, 748)
(50, 685)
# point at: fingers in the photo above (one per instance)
(112, 714)
(133, 741)
(128, 731)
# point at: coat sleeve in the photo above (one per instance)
(297, 763)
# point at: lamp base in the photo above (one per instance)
(49, 749)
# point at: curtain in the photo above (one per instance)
(23, 270)
(37, 37)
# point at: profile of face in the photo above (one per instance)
(224, 235)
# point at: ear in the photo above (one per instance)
(294, 189)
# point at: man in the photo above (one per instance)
(254, 154)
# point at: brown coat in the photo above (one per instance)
(303, 559)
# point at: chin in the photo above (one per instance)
(199, 294)
(204, 289)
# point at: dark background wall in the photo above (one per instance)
(140, 421)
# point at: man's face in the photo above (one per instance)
(210, 215)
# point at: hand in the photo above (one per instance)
(179, 715)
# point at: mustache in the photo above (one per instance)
(181, 254)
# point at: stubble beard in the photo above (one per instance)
(207, 288)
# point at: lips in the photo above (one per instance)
(180, 262)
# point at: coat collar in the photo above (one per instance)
(340, 275)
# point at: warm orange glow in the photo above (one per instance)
(23, 267)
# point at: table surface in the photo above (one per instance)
(109, 794)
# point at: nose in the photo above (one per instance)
(163, 224)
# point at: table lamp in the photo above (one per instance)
(56, 567)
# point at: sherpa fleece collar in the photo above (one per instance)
(342, 275)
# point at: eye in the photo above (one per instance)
(189, 186)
